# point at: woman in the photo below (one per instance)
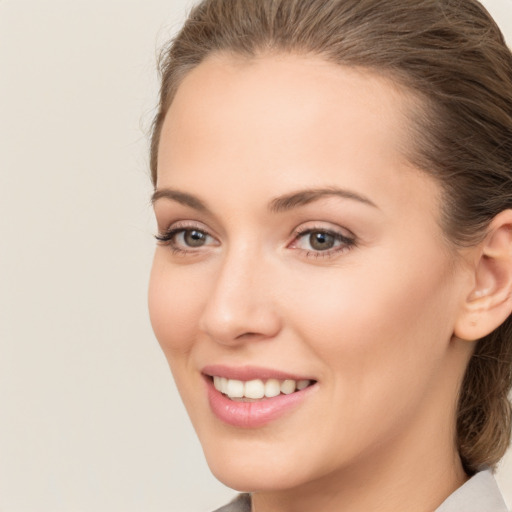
(333, 279)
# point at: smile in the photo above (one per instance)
(257, 389)
(253, 397)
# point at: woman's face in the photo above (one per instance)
(299, 245)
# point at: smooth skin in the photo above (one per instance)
(354, 284)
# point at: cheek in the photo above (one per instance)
(380, 332)
(378, 324)
(175, 303)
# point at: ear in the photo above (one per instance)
(489, 303)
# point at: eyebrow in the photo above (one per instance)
(304, 197)
(180, 197)
(277, 205)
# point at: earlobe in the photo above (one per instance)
(489, 303)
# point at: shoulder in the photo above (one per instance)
(242, 503)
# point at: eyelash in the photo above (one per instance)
(168, 238)
(346, 242)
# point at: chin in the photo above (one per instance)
(256, 461)
(250, 475)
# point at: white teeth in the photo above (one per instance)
(235, 388)
(256, 388)
(288, 387)
(272, 388)
(302, 384)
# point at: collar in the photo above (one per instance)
(479, 494)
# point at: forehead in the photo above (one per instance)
(281, 96)
(282, 122)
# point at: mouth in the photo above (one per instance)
(251, 397)
(257, 389)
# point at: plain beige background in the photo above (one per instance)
(89, 418)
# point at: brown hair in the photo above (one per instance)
(452, 56)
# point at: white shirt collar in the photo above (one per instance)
(479, 494)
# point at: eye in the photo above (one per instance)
(192, 237)
(322, 242)
(186, 239)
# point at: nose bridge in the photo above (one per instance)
(240, 302)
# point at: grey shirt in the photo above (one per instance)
(479, 494)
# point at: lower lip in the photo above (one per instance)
(253, 414)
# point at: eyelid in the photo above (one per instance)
(185, 225)
(324, 227)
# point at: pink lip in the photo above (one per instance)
(249, 373)
(251, 414)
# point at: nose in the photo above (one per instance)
(241, 305)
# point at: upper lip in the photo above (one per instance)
(246, 373)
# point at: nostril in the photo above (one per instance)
(247, 335)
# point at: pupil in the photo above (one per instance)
(194, 238)
(321, 241)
